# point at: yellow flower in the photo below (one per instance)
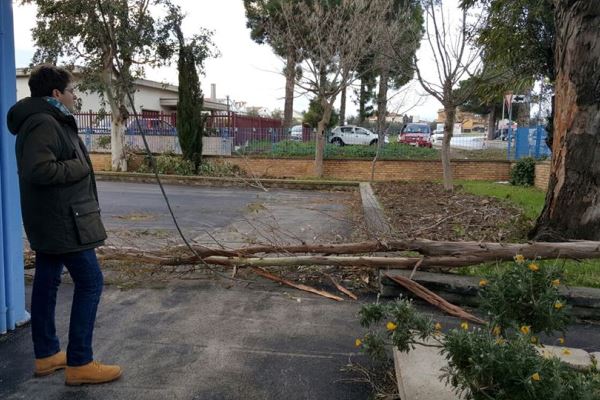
(566, 352)
(561, 340)
(497, 331)
(437, 326)
(556, 282)
(483, 282)
(500, 341)
(536, 377)
(391, 326)
(533, 267)
(464, 325)
(519, 259)
(534, 339)
(358, 342)
(525, 329)
(558, 305)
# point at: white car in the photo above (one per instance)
(350, 134)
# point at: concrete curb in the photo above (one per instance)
(463, 290)
(227, 182)
(377, 225)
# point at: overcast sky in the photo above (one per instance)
(245, 70)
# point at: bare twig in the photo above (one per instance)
(265, 274)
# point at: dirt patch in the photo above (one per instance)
(426, 210)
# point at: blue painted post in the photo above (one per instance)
(12, 282)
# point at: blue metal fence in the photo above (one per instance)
(12, 285)
(528, 142)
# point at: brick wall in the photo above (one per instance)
(355, 169)
(542, 175)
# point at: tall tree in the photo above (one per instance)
(572, 203)
(260, 13)
(518, 38)
(393, 61)
(113, 41)
(190, 121)
(334, 36)
(455, 60)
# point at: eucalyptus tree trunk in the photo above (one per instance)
(572, 208)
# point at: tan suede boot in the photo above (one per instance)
(93, 372)
(47, 365)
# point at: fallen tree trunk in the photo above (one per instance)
(435, 254)
(454, 250)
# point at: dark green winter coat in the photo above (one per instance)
(59, 200)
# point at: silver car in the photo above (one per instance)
(350, 134)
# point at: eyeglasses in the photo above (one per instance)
(70, 90)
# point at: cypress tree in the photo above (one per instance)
(190, 122)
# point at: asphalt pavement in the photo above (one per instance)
(136, 214)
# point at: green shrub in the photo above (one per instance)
(500, 360)
(523, 173)
(173, 164)
(168, 164)
(525, 293)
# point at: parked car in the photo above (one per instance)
(415, 135)
(150, 126)
(296, 133)
(350, 134)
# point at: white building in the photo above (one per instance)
(149, 96)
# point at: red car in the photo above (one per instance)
(415, 135)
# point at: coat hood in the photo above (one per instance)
(23, 109)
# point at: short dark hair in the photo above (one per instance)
(46, 77)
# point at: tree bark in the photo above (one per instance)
(381, 114)
(290, 80)
(382, 101)
(572, 207)
(119, 118)
(320, 145)
(450, 111)
(491, 123)
(343, 106)
(434, 253)
(362, 101)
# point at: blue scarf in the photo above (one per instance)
(56, 103)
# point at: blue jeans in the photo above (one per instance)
(87, 278)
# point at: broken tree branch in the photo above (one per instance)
(434, 299)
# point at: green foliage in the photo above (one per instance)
(409, 326)
(103, 141)
(518, 35)
(289, 148)
(523, 173)
(190, 122)
(526, 293)
(483, 366)
(315, 114)
(499, 361)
